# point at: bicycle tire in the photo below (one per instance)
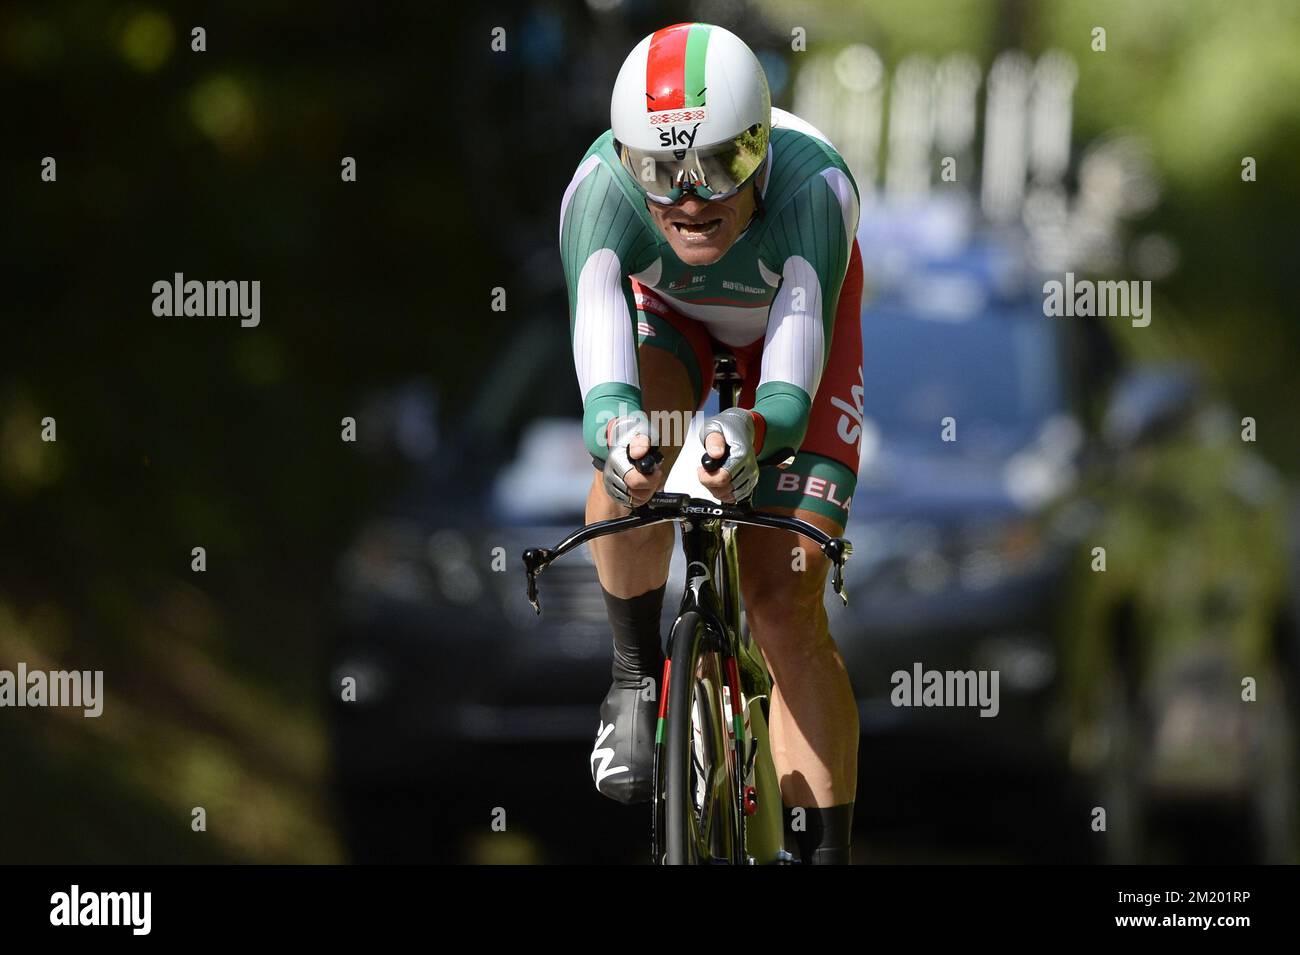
(696, 772)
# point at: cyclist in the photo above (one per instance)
(705, 218)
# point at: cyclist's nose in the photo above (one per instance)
(691, 204)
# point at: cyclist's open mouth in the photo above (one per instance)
(697, 231)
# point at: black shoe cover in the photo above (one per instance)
(622, 761)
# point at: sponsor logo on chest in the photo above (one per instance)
(742, 287)
(690, 282)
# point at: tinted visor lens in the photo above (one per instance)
(713, 173)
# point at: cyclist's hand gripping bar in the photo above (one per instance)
(778, 459)
(647, 463)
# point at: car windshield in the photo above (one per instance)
(997, 373)
(531, 377)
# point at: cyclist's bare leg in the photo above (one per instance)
(814, 715)
(637, 561)
(633, 567)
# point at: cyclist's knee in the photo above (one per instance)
(783, 583)
(784, 608)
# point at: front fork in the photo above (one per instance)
(712, 573)
(764, 816)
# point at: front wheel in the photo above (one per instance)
(695, 807)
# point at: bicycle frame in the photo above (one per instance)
(712, 591)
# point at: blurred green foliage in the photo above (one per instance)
(174, 433)
(1205, 83)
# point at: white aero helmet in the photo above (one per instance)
(691, 112)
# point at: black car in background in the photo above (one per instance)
(1118, 688)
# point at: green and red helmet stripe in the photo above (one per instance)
(674, 71)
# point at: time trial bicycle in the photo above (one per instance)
(716, 796)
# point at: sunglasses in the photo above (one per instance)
(713, 174)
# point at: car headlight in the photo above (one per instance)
(451, 558)
(928, 572)
(387, 560)
(991, 553)
(397, 560)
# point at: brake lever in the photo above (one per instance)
(536, 560)
(837, 581)
(839, 550)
